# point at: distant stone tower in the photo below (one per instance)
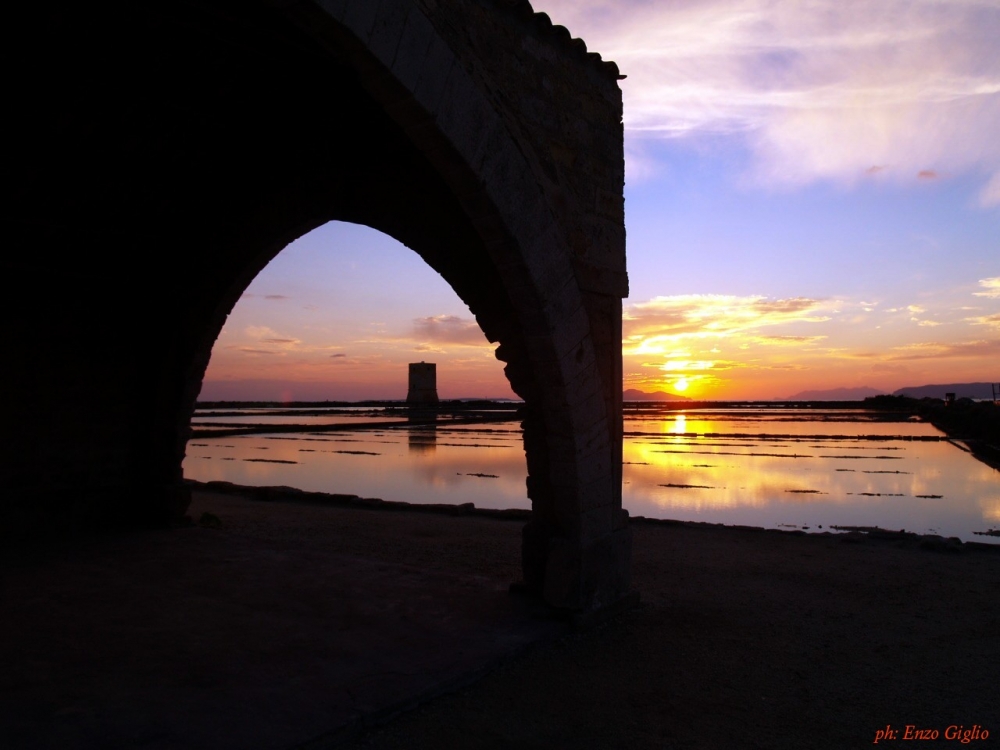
(423, 383)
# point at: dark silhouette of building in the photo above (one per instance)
(423, 383)
(161, 154)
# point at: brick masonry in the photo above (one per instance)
(157, 171)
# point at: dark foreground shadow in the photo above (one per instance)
(270, 626)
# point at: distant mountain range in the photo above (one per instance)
(634, 395)
(961, 390)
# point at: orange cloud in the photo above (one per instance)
(449, 329)
(936, 350)
(653, 327)
(788, 340)
(681, 339)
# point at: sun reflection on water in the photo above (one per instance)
(763, 468)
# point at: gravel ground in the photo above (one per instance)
(750, 639)
(243, 636)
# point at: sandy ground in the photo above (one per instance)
(306, 626)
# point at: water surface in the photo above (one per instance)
(776, 468)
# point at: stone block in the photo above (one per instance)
(621, 516)
(611, 279)
(567, 331)
(509, 179)
(412, 50)
(563, 465)
(586, 577)
(597, 513)
(596, 460)
(434, 73)
(562, 586)
(592, 411)
(578, 363)
(360, 19)
(335, 8)
(463, 115)
(605, 566)
(387, 31)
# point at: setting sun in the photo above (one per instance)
(681, 385)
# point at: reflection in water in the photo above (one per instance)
(426, 464)
(772, 468)
(991, 508)
(422, 439)
(791, 471)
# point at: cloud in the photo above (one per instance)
(986, 320)
(884, 367)
(656, 326)
(819, 90)
(259, 332)
(927, 174)
(788, 340)
(428, 348)
(991, 287)
(449, 329)
(339, 355)
(265, 335)
(937, 350)
(640, 166)
(275, 296)
(686, 366)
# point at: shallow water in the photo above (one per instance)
(775, 468)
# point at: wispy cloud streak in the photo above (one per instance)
(991, 288)
(656, 325)
(820, 89)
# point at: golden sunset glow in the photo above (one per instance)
(754, 347)
(813, 195)
(699, 346)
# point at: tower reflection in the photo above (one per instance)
(423, 438)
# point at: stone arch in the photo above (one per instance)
(258, 123)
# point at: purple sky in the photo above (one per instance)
(812, 201)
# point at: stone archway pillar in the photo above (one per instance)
(577, 549)
(475, 131)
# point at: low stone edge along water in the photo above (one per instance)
(849, 534)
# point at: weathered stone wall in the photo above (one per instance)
(564, 107)
(563, 104)
(158, 170)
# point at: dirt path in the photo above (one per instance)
(292, 620)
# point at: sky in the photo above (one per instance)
(812, 201)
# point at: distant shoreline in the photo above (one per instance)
(283, 494)
(974, 423)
